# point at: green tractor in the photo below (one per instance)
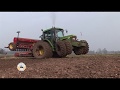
(53, 43)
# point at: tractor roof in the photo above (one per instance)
(52, 29)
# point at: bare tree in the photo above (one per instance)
(104, 51)
(99, 51)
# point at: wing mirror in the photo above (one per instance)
(41, 36)
(66, 31)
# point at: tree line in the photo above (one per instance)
(103, 51)
(2, 51)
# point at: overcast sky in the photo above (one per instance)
(100, 29)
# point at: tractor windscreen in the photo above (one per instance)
(59, 33)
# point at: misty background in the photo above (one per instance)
(100, 29)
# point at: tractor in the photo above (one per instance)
(53, 43)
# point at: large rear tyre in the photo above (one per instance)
(61, 49)
(12, 46)
(68, 47)
(42, 49)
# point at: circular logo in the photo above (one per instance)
(21, 66)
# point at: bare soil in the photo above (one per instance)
(84, 66)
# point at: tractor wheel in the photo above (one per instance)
(78, 50)
(86, 49)
(12, 46)
(61, 49)
(68, 47)
(55, 55)
(81, 50)
(42, 49)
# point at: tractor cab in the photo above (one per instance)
(52, 34)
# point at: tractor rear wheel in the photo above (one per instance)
(68, 47)
(42, 49)
(12, 46)
(55, 55)
(61, 49)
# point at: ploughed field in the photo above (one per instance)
(84, 66)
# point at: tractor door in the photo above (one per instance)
(49, 36)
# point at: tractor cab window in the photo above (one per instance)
(48, 34)
(59, 33)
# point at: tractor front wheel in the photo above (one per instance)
(86, 49)
(81, 50)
